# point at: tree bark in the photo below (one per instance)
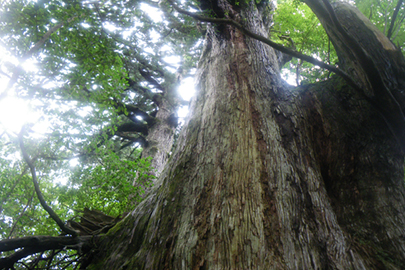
(26, 246)
(266, 176)
(159, 141)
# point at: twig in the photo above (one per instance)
(21, 215)
(27, 55)
(10, 191)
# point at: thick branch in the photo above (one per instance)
(365, 60)
(125, 127)
(145, 116)
(45, 242)
(146, 75)
(383, 99)
(134, 110)
(133, 127)
(41, 199)
(132, 140)
(272, 44)
(34, 244)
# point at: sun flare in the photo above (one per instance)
(14, 113)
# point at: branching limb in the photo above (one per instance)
(383, 99)
(135, 110)
(267, 41)
(41, 199)
(148, 77)
(34, 244)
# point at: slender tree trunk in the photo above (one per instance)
(266, 176)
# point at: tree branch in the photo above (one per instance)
(27, 55)
(394, 17)
(272, 44)
(133, 127)
(41, 199)
(146, 75)
(34, 244)
(383, 99)
(135, 112)
(10, 191)
(20, 216)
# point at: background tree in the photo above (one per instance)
(108, 100)
(264, 175)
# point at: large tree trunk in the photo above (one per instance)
(269, 177)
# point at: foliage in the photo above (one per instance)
(90, 81)
(297, 27)
(107, 186)
(381, 14)
(97, 72)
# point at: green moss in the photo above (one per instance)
(117, 227)
(376, 255)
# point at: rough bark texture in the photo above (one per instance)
(370, 57)
(161, 135)
(266, 176)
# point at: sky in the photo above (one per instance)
(15, 112)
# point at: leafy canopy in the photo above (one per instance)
(97, 72)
